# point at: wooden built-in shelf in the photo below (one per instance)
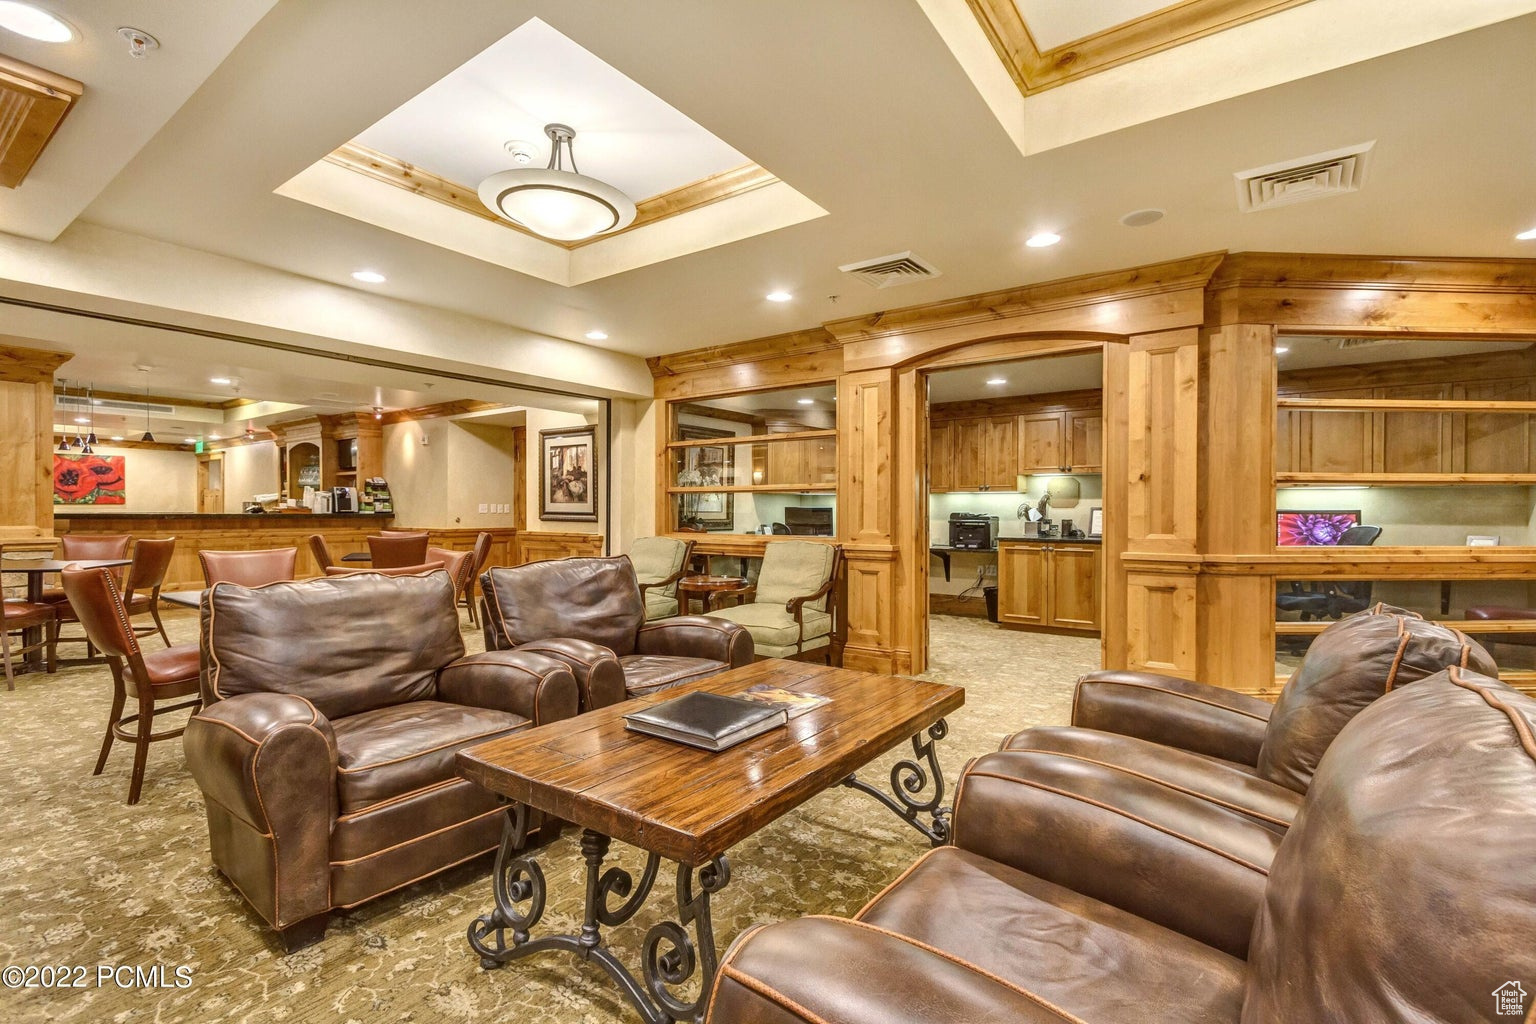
(716, 442)
(1400, 479)
(751, 488)
(1403, 405)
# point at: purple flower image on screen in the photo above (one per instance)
(1310, 528)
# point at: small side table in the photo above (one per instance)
(707, 588)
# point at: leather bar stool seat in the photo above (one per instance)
(169, 667)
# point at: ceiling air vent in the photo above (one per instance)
(890, 271)
(79, 405)
(1345, 344)
(1298, 181)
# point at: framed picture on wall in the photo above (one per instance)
(1303, 527)
(567, 481)
(1096, 522)
(89, 480)
(705, 465)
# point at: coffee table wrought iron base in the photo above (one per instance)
(909, 779)
(670, 956)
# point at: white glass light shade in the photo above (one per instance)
(557, 204)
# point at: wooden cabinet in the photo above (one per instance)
(969, 452)
(966, 439)
(1485, 442)
(973, 454)
(795, 464)
(1054, 586)
(1000, 455)
(941, 459)
(1084, 432)
(1413, 442)
(1041, 447)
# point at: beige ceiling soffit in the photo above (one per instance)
(1035, 71)
(392, 171)
(33, 103)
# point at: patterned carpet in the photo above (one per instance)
(87, 880)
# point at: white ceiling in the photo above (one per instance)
(859, 105)
(625, 135)
(1053, 23)
(1041, 376)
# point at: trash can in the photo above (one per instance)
(990, 594)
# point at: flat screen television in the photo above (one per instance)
(1295, 529)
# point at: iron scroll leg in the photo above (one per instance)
(909, 778)
(671, 957)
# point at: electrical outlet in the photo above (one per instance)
(989, 570)
(505, 508)
(484, 508)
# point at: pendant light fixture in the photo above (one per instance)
(148, 438)
(564, 205)
(79, 441)
(90, 400)
(63, 437)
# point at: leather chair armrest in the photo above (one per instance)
(697, 636)
(539, 688)
(822, 970)
(599, 676)
(1174, 712)
(269, 759)
(1171, 858)
(667, 582)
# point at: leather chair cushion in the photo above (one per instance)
(371, 640)
(167, 667)
(647, 673)
(1089, 959)
(1405, 890)
(1348, 666)
(1220, 782)
(402, 748)
(772, 626)
(594, 599)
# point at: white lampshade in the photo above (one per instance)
(562, 205)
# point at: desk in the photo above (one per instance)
(35, 569)
(688, 806)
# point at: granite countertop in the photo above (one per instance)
(1050, 540)
(222, 515)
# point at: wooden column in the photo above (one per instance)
(26, 440)
(867, 519)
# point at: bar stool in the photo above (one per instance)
(21, 615)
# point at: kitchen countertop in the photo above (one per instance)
(223, 515)
(1050, 540)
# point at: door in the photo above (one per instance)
(1085, 436)
(1074, 587)
(1021, 584)
(1040, 443)
(210, 483)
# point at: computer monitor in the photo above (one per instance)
(1303, 528)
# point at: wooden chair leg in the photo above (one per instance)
(469, 602)
(141, 749)
(53, 645)
(154, 612)
(5, 647)
(118, 699)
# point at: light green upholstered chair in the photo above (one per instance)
(659, 563)
(790, 614)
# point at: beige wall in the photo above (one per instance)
(443, 483)
(634, 475)
(249, 470)
(155, 481)
(543, 419)
(418, 473)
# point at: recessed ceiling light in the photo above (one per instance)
(596, 336)
(81, 419)
(117, 437)
(778, 296)
(189, 440)
(1042, 240)
(369, 276)
(213, 437)
(219, 380)
(1527, 236)
(995, 381)
(1281, 350)
(35, 23)
(806, 401)
(1141, 218)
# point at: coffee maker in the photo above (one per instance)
(343, 499)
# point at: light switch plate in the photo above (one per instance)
(484, 508)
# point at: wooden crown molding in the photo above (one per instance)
(33, 103)
(1426, 274)
(1034, 70)
(22, 365)
(464, 198)
(439, 410)
(795, 343)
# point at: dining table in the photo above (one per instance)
(37, 568)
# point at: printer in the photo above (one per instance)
(970, 531)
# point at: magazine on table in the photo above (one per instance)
(794, 702)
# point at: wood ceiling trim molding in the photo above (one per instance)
(1034, 70)
(795, 343)
(392, 171)
(33, 103)
(439, 410)
(139, 396)
(20, 364)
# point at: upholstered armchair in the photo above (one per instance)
(659, 563)
(1403, 893)
(333, 710)
(588, 613)
(788, 610)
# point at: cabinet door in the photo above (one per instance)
(821, 460)
(1492, 443)
(1334, 442)
(941, 458)
(1002, 454)
(1085, 441)
(1021, 584)
(786, 463)
(1074, 587)
(1414, 442)
(967, 440)
(1040, 443)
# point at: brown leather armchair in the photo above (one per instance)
(588, 613)
(1237, 751)
(325, 747)
(1403, 893)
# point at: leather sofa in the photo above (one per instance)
(1238, 751)
(588, 613)
(1404, 892)
(333, 709)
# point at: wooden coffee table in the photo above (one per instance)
(707, 588)
(689, 806)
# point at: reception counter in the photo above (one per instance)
(344, 532)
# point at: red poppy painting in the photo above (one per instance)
(88, 480)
